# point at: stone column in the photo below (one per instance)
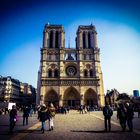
(53, 73)
(98, 95)
(62, 41)
(82, 99)
(92, 39)
(54, 38)
(95, 39)
(60, 101)
(61, 95)
(88, 73)
(45, 39)
(79, 39)
(48, 39)
(86, 39)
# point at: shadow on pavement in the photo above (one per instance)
(97, 131)
(8, 125)
(27, 131)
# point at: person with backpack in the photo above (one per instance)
(121, 115)
(107, 112)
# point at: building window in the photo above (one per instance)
(89, 40)
(51, 39)
(91, 73)
(84, 40)
(85, 73)
(84, 57)
(56, 39)
(50, 73)
(57, 57)
(56, 74)
(49, 57)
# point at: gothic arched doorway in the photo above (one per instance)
(90, 98)
(51, 97)
(71, 98)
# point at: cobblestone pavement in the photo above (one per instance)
(75, 126)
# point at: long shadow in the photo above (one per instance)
(4, 125)
(8, 125)
(27, 131)
(97, 131)
(20, 131)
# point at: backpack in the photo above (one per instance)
(107, 111)
(122, 113)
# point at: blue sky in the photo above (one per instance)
(117, 23)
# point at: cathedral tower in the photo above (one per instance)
(68, 76)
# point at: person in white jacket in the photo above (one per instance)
(51, 111)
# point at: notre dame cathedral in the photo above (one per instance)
(70, 76)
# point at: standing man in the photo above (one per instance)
(25, 115)
(129, 116)
(13, 118)
(107, 112)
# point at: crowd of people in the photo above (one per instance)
(125, 115)
(44, 113)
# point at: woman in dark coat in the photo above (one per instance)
(121, 115)
(43, 116)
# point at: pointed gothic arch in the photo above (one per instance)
(51, 97)
(90, 97)
(71, 97)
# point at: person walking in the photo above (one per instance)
(43, 117)
(13, 118)
(51, 112)
(139, 111)
(121, 115)
(129, 116)
(25, 115)
(107, 112)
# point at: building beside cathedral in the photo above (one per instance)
(70, 76)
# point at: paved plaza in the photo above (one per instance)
(72, 126)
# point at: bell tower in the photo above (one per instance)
(89, 57)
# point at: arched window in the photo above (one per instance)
(50, 73)
(56, 39)
(84, 40)
(56, 74)
(89, 40)
(91, 73)
(85, 73)
(51, 39)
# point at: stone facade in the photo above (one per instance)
(68, 76)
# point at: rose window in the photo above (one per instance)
(71, 70)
